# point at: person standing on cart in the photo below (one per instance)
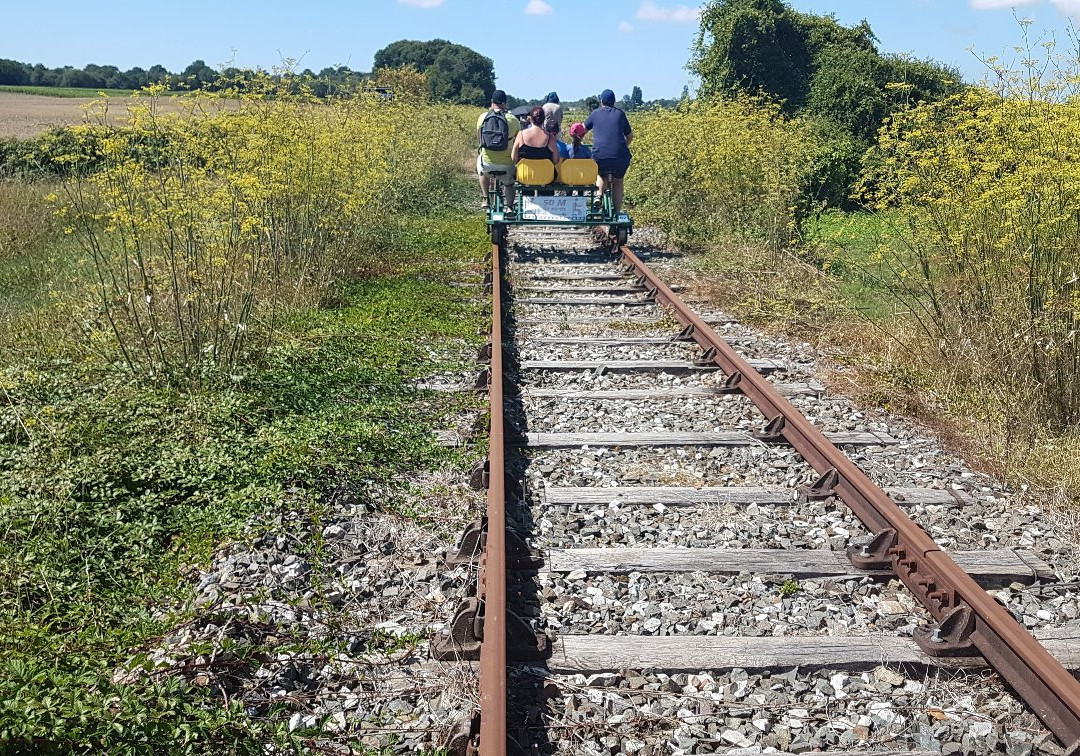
(495, 133)
(611, 146)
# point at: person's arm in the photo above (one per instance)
(554, 147)
(628, 133)
(588, 123)
(517, 147)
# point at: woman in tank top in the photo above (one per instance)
(535, 143)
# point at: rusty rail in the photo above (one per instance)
(969, 619)
(492, 576)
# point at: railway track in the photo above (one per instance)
(666, 522)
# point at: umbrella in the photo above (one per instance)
(521, 112)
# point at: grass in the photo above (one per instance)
(66, 91)
(859, 251)
(110, 489)
(836, 293)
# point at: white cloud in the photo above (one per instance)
(1068, 7)
(996, 4)
(538, 8)
(422, 3)
(626, 27)
(680, 14)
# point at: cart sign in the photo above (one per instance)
(554, 208)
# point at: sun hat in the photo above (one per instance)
(607, 97)
(577, 130)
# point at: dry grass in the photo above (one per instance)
(23, 115)
(891, 364)
(26, 220)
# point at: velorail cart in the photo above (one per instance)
(540, 200)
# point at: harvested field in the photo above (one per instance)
(23, 115)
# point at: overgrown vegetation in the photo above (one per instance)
(816, 68)
(130, 450)
(719, 167)
(954, 287)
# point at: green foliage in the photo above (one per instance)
(752, 46)
(205, 225)
(109, 487)
(67, 91)
(790, 588)
(817, 68)
(719, 167)
(989, 190)
(455, 73)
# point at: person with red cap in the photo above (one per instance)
(576, 148)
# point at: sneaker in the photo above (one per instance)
(509, 214)
(484, 207)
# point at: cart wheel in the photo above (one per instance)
(622, 235)
(498, 233)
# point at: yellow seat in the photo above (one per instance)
(578, 172)
(535, 172)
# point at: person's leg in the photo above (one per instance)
(485, 187)
(485, 180)
(617, 193)
(508, 191)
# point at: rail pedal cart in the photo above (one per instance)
(540, 200)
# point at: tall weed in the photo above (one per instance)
(986, 190)
(723, 167)
(208, 224)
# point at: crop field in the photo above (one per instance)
(27, 115)
(78, 92)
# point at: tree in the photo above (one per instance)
(592, 102)
(815, 67)
(636, 99)
(454, 73)
(13, 72)
(198, 75)
(752, 45)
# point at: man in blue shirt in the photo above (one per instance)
(611, 145)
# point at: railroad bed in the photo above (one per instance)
(679, 588)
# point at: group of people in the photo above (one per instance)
(504, 143)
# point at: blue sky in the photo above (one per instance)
(577, 47)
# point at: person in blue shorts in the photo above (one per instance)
(611, 145)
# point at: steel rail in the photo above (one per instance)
(966, 613)
(492, 575)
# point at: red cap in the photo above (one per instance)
(577, 130)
